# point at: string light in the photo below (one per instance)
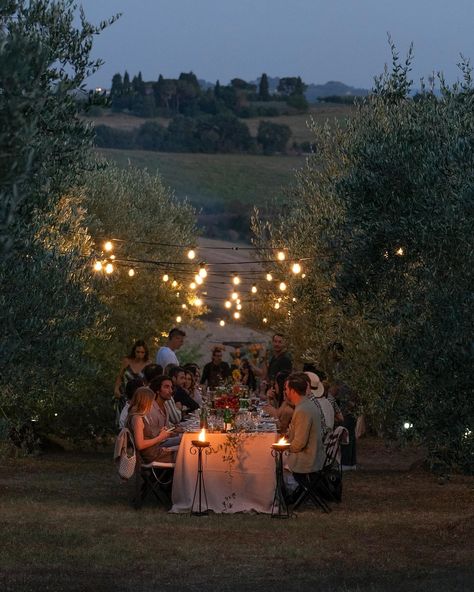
(239, 307)
(198, 279)
(236, 315)
(97, 266)
(265, 320)
(269, 277)
(109, 268)
(296, 269)
(178, 319)
(174, 283)
(276, 306)
(303, 275)
(131, 272)
(234, 295)
(400, 252)
(197, 302)
(166, 277)
(254, 289)
(228, 304)
(112, 257)
(281, 256)
(192, 285)
(184, 306)
(282, 286)
(222, 323)
(202, 271)
(191, 254)
(108, 246)
(236, 280)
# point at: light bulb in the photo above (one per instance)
(174, 283)
(109, 268)
(192, 285)
(282, 286)
(400, 252)
(265, 320)
(198, 279)
(303, 275)
(178, 319)
(191, 254)
(202, 272)
(296, 268)
(198, 302)
(239, 307)
(112, 257)
(97, 266)
(166, 277)
(234, 295)
(254, 289)
(131, 272)
(228, 304)
(184, 306)
(236, 315)
(276, 305)
(269, 277)
(236, 280)
(108, 246)
(281, 256)
(222, 323)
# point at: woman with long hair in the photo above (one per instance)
(132, 367)
(278, 407)
(190, 386)
(149, 446)
(247, 377)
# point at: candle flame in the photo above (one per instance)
(283, 440)
(202, 435)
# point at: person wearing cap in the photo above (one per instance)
(316, 394)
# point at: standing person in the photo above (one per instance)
(216, 371)
(307, 452)
(280, 360)
(166, 355)
(132, 367)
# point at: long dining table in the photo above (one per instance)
(238, 472)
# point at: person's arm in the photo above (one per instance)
(118, 380)
(301, 426)
(140, 442)
(182, 397)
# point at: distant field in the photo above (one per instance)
(298, 123)
(213, 179)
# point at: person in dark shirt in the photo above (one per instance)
(178, 377)
(280, 360)
(216, 371)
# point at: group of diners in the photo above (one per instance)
(159, 394)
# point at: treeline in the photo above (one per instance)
(168, 97)
(206, 133)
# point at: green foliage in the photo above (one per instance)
(263, 88)
(49, 308)
(273, 137)
(132, 204)
(383, 212)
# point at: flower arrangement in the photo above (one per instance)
(230, 401)
(236, 375)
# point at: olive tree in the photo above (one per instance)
(383, 212)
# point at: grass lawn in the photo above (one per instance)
(66, 526)
(210, 179)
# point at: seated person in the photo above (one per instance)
(307, 453)
(172, 413)
(150, 446)
(151, 372)
(190, 386)
(278, 407)
(130, 389)
(247, 377)
(317, 395)
(180, 396)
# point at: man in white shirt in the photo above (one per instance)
(166, 354)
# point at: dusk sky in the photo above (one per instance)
(343, 40)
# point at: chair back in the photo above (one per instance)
(333, 444)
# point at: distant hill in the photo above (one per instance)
(315, 91)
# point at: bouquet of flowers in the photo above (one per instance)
(230, 401)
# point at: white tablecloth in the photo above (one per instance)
(248, 484)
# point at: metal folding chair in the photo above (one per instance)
(155, 478)
(319, 486)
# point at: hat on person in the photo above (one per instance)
(317, 387)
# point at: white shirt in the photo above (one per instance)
(165, 356)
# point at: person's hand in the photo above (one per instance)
(164, 434)
(117, 393)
